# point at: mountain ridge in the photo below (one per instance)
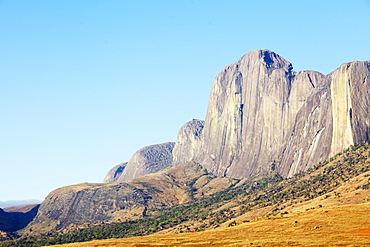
(262, 115)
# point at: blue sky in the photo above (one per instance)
(84, 84)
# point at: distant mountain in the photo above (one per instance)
(13, 203)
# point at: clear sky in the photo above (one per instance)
(84, 84)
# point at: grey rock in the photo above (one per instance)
(350, 85)
(114, 173)
(246, 120)
(86, 203)
(263, 116)
(148, 160)
(188, 142)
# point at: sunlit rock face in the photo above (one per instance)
(350, 104)
(148, 160)
(263, 116)
(188, 142)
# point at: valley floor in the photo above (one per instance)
(347, 225)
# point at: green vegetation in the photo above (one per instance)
(210, 211)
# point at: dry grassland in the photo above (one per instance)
(347, 225)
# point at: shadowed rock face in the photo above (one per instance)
(263, 116)
(15, 220)
(115, 173)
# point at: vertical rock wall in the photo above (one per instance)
(262, 116)
(188, 142)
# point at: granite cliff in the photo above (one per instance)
(188, 142)
(147, 160)
(263, 116)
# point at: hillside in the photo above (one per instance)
(88, 203)
(344, 180)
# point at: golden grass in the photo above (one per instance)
(347, 225)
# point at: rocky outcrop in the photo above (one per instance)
(120, 201)
(263, 116)
(145, 161)
(115, 173)
(188, 142)
(87, 203)
(155, 158)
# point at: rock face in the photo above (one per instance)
(94, 203)
(188, 142)
(147, 160)
(155, 158)
(115, 173)
(350, 86)
(263, 116)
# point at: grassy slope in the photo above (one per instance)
(337, 226)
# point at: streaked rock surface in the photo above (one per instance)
(145, 161)
(263, 116)
(148, 160)
(188, 142)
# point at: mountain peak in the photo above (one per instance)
(266, 58)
